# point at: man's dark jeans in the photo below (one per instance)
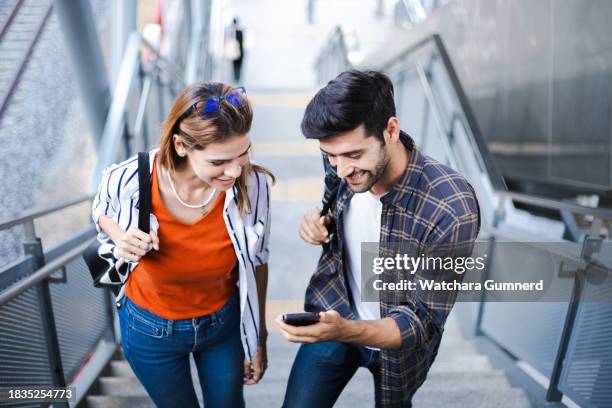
(321, 371)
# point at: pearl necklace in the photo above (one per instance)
(184, 203)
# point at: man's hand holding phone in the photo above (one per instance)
(300, 319)
(330, 326)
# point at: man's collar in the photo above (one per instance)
(402, 190)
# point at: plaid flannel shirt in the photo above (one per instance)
(431, 205)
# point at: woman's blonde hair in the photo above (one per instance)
(198, 129)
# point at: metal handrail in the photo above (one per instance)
(578, 262)
(166, 76)
(119, 104)
(43, 273)
(337, 36)
(113, 129)
(37, 212)
(160, 58)
(335, 41)
(603, 213)
(437, 114)
(495, 176)
(142, 108)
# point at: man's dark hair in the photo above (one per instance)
(352, 98)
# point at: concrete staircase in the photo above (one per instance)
(460, 377)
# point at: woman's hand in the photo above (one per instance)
(135, 243)
(255, 369)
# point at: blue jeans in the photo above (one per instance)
(321, 371)
(158, 351)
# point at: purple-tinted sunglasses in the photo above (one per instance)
(235, 97)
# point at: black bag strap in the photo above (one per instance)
(144, 188)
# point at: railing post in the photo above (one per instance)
(160, 95)
(591, 245)
(123, 24)
(127, 138)
(109, 303)
(497, 218)
(32, 245)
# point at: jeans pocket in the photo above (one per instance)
(141, 324)
(145, 327)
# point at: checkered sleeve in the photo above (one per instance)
(423, 315)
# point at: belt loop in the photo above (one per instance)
(169, 327)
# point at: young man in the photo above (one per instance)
(393, 195)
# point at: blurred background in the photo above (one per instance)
(514, 94)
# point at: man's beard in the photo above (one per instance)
(372, 177)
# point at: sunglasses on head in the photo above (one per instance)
(235, 97)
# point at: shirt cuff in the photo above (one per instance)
(413, 326)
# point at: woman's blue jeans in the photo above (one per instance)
(158, 351)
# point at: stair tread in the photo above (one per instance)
(480, 398)
(109, 401)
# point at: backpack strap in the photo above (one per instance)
(144, 188)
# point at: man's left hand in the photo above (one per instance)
(331, 326)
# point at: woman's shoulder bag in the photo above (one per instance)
(105, 269)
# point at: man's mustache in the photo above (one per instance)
(355, 172)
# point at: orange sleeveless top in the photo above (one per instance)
(193, 273)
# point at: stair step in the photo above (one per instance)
(131, 394)
(459, 377)
(106, 401)
(455, 356)
(362, 395)
(281, 365)
(449, 381)
(129, 385)
(121, 387)
(121, 368)
(480, 398)
(462, 364)
(480, 371)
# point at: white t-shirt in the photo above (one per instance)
(361, 224)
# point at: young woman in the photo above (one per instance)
(197, 282)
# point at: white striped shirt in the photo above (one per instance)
(118, 198)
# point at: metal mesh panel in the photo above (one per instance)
(23, 353)
(587, 374)
(531, 331)
(80, 316)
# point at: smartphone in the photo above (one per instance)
(301, 319)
